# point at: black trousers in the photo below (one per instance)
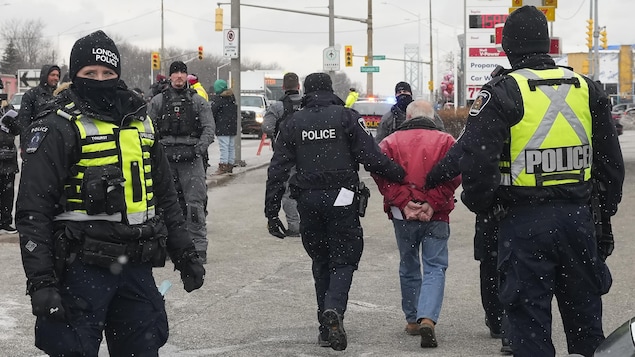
(7, 193)
(486, 251)
(333, 238)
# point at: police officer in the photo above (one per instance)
(96, 211)
(276, 114)
(186, 129)
(485, 248)
(535, 139)
(326, 142)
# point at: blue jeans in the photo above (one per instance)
(227, 149)
(432, 239)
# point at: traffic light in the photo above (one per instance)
(589, 33)
(365, 60)
(603, 41)
(585, 66)
(218, 24)
(200, 52)
(156, 60)
(430, 85)
(348, 56)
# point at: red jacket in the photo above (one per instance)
(417, 147)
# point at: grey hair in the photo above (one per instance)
(420, 108)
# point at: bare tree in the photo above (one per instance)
(27, 36)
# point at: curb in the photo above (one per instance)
(218, 180)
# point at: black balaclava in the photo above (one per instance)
(403, 99)
(525, 33)
(95, 49)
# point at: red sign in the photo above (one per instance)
(485, 52)
(554, 47)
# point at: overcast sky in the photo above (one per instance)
(296, 41)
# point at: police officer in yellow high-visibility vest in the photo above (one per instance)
(96, 211)
(536, 138)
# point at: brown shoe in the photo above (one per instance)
(412, 329)
(220, 170)
(426, 330)
(229, 168)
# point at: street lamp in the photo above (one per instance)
(65, 31)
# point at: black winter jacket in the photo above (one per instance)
(488, 127)
(225, 113)
(51, 148)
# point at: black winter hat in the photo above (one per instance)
(402, 86)
(526, 31)
(318, 81)
(178, 66)
(94, 49)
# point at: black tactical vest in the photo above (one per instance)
(178, 117)
(289, 107)
(321, 143)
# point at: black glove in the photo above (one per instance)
(606, 243)
(47, 302)
(276, 228)
(192, 274)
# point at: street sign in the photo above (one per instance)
(331, 59)
(28, 78)
(369, 69)
(230, 43)
(379, 57)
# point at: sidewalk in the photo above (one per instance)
(249, 158)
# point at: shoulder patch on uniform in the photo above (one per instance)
(36, 135)
(362, 123)
(480, 102)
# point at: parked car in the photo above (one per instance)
(252, 108)
(16, 100)
(372, 111)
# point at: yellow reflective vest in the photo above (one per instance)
(127, 147)
(551, 144)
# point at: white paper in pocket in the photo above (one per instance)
(344, 198)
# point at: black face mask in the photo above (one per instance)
(100, 95)
(403, 100)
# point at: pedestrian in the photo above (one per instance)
(276, 114)
(420, 217)
(485, 248)
(34, 100)
(96, 211)
(192, 79)
(536, 137)
(397, 114)
(185, 127)
(225, 114)
(326, 142)
(9, 129)
(351, 98)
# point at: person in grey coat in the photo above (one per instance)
(277, 113)
(185, 126)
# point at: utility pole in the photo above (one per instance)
(369, 47)
(235, 78)
(431, 83)
(596, 34)
(162, 48)
(332, 32)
